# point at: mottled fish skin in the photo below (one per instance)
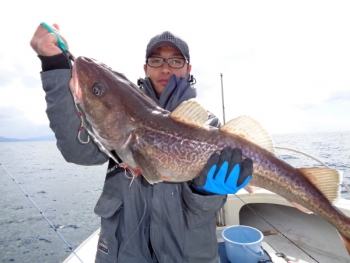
(126, 120)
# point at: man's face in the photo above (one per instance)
(160, 76)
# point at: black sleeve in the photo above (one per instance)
(59, 61)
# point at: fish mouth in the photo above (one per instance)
(74, 86)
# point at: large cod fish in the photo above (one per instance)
(175, 146)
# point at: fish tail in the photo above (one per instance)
(346, 241)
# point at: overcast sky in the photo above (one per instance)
(285, 63)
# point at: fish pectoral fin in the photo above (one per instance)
(251, 130)
(346, 241)
(251, 189)
(301, 208)
(148, 170)
(326, 180)
(190, 112)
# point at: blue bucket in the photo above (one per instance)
(243, 244)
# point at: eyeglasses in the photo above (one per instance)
(157, 62)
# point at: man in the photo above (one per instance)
(165, 222)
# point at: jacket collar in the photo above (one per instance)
(175, 92)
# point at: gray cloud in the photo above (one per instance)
(339, 95)
(7, 113)
(201, 87)
(13, 125)
(7, 76)
(308, 106)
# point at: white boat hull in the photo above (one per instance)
(308, 235)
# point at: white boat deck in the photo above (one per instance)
(308, 235)
(86, 251)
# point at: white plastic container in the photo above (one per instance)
(243, 244)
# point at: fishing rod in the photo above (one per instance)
(222, 96)
(221, 212)
(53, 227)
(277, 147)
(261, 217)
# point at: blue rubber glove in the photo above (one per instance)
(225, 173)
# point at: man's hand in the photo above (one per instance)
(225, 173)
(44, 43)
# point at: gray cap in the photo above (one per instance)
(168, 39)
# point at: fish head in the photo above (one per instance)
(100, 93)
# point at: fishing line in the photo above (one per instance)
(90, 134)
(143, 215)
(104, 150)
(256, 213)
(312, 157)
(308, 155)
(58, 233)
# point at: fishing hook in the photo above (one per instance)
(90, 134)
(81, 126)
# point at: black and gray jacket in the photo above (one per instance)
(165, 222)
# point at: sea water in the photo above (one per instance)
(66, 193)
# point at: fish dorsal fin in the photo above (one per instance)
(190, 112)
(251, 130)
(326, 180)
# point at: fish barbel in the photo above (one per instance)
(175, 146)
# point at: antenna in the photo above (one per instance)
(223, 102)
(220, 216)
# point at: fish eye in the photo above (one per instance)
(97, 89)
